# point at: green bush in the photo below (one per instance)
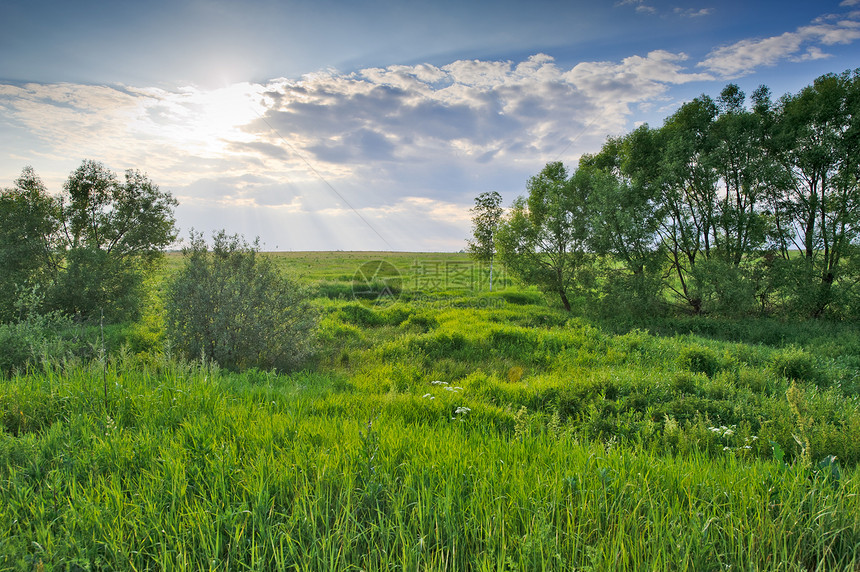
(420, 322)
(37, 338)
(524, 297)
(794, 363)
(232, 307)
(700, 360)
(97, 282)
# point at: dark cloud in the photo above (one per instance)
(361, 146)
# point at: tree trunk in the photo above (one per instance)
(564, 299)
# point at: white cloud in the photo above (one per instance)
(812, 53)
(693, 13)
(639, 6)
(742, 58)
(466, 109)
(412, 143)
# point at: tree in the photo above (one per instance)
(232, 307)
(688, 183)
(486, 215)
(625, 214)
(132, 218)
(29, 223)
(112, 232)
(817, 130)
(543, 240)
(739, 157)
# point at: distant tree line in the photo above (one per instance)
(733, 206)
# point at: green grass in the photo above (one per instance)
(452, 430)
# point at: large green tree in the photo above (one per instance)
(89, 249)
(739, 158)
(29, 225)
(112, 231)
(688, 182)
(625, 213)
(817, 131)
(544, 238)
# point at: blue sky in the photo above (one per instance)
(372, 125)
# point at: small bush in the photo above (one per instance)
(440, 345)
(334, 290)
(37, 338)
(518, 343)
(395, 315)
(524, 298)
(232, 307)
(700, 360)
(332, 330)
(685, 382)
(794, 363)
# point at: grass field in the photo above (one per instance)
(443, 427)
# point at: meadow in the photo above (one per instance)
(441, 427)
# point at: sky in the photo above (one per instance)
(374, 124)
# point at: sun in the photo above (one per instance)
(206, 123)
(223, 110)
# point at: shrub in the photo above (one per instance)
(34, 339)
(794, 363)
(524, 297)
(360, 315)
(700, 360)
(231, 306)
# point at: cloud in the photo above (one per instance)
(742, 58)
(693, 13)
(415, 143)
(639, 6)
(469, 108)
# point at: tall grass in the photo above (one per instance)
(448, 431)
(184, 468)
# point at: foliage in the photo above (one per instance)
(29, 223)
(543, 240)
(230, 306)
(729, 208)
(508, 436)
(96, 282)
(129, 218)
(486, 216)
(112, 232)
(30, 341)
(89, 250)
(795, 364)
